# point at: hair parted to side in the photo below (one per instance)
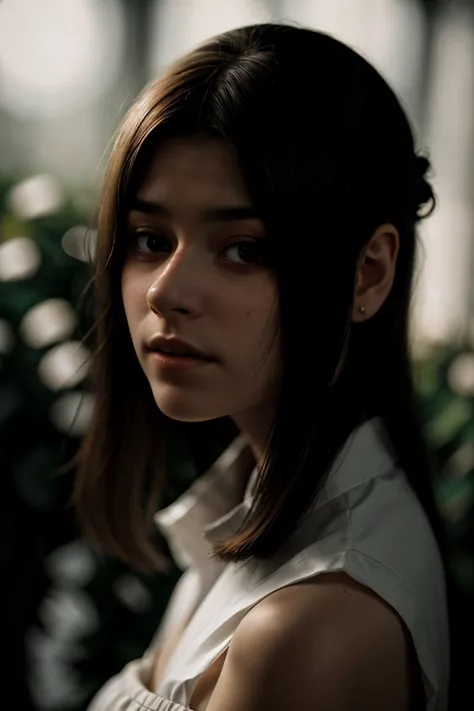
(328, 155)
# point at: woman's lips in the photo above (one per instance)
(173, 361)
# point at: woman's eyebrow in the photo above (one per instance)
(221, 213)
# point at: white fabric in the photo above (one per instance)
(367, 522)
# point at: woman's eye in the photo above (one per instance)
(247, 253)
(150, 243)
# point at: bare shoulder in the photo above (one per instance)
(328, 643)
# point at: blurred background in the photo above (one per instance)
(69, 69)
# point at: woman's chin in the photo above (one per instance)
(182, 410)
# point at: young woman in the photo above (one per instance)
(255, 257)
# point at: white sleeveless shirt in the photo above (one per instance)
(367, 522)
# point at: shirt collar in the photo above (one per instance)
(213, 507)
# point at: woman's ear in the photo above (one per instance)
(375, 272)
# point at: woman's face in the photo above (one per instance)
(195, 271)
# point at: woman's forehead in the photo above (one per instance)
(204, 174)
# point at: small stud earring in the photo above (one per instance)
(362, 310)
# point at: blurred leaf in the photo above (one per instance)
(454, 414)
(11, 226)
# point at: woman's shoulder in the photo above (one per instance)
(317, 643)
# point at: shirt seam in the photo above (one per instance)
(387, 569)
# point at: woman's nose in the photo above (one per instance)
(177, 288)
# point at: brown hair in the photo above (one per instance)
(327, 154)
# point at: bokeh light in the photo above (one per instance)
(46, 323)
(71, 564)
(79, 242)
(132, 593)
(71, 413)
(64, 366)
(461, 374)
(20, 259)
(35, 197)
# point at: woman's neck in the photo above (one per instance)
(255, 426)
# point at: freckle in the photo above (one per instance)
(248, 313)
